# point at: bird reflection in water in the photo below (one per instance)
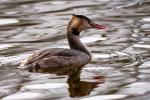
(78, 88)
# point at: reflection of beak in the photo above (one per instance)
(97, 26)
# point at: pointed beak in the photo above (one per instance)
(94, 25)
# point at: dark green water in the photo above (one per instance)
(119, 70)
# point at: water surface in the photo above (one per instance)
(120, 68)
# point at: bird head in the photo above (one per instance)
(79, 23)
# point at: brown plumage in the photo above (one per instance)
(59, 60)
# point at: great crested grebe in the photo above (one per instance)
(60, 60)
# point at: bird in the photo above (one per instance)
(62, 60)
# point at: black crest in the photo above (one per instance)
(82, 16)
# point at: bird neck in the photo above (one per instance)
(75, 43)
